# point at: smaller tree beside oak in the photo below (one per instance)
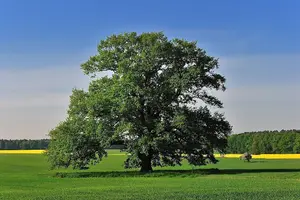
(246, 156)
(151, 101)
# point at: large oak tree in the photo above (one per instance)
(151, 101)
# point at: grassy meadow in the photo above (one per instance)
(27, 176)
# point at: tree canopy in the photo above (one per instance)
(157, 100)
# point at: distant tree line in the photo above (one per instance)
(265, 142)
(284, 141)
(23, 144)
(36, 144)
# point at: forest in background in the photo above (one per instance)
(25, 144)
(261, 142)
(265, 142)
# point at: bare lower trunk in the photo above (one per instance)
(146, 166)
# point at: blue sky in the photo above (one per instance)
(43, 43)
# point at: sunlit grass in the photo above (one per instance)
(27, 176)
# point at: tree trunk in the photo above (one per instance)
(146, 166)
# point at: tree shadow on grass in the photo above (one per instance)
(257, 161)
(169, 173)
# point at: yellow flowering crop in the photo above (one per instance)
(264, 156)
(261, 156)
(21, 151)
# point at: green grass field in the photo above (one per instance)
(28, 177)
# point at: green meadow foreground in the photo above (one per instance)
(28, 177)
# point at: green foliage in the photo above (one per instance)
(27, 177)
(149, 102)
(73, 141)
(246, 156)
(265, 142)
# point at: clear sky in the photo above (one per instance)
(43, 43)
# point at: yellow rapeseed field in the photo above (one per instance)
(261, 156)
(21, 151)
(265, 156)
